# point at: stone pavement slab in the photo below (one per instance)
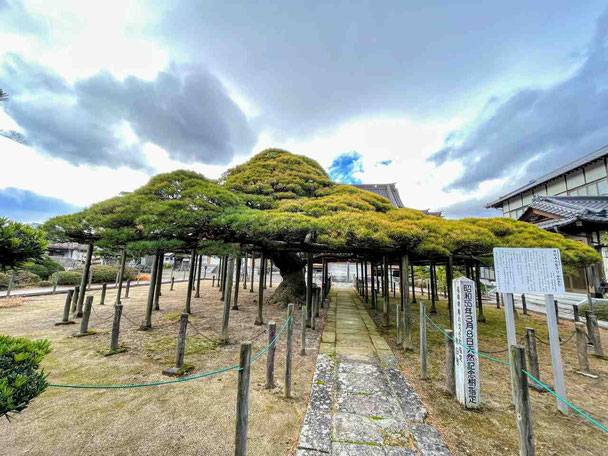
(360, 403)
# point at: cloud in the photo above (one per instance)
(345, 167)
(472, 207)
(26, 206)
(101, 120)
(536, 130)
(310, 66)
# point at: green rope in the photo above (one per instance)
(579, 411)
(139, 385)
(179, 380)
(603, 428)
(507, 363)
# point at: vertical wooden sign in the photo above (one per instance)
(466, 362)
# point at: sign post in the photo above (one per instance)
(466, 362)
(533, 271)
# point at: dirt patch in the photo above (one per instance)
(194, 417)
(493, 429)
(7, 303)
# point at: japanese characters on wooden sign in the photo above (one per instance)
(466, 363)
(529, 271)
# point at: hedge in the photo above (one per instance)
(20, 379)
(601, 310)
(68, 277)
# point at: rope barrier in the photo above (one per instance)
(507, 363)
(178, 380)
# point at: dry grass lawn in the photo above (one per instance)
(194, 417)
(493, 430)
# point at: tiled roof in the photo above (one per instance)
(571, 209)
(389, 191)
(584, 160)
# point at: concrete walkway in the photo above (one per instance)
(360, 403)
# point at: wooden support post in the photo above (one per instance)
(365, 279)
(413, 284)
(259, 320)
(524, 305)
(90, 279)
(116, 328)
(121, 273)
(575, 313)
(159, 280)
(213, 281)
(289, 351)
(178, 369)
(373, 287)
(127, 289)
(272, 331)
(303, 330)
(86, 314)
(532, 354)
(224, 275)
(431, 290)
(399, 324)
(56, 282)
(521, 396)
(480, 316)
(423, 353)
(188, 308)
(150, 301)
(497, 300)
(252, 270)
(385, 315)
(407, 309)
(104, 289)
(309, 267)
(227, 299)
(271, 271)
(245, 272)
(11, 283)
(237, 278)
(594, 334)
(199, 276)
(449, 277)
(242, 400)
(450, 378)
(172, 283)
(65, 320)
(83, 280)
(581, 347)
(75, 300)
(556, 355)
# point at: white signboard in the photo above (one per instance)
(466, 362)
(529, 271)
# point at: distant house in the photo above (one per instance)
(571, 200)
(390, 192)
(68, 254)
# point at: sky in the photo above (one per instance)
(455, 102)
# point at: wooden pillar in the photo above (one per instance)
(104, 289)
(373, 285)
(121, 272)
(190, 281)
(116, 328)
(405, 300)
(245, 272)
(260, 317)
(423, 352)
(242, 400)
(272, 330)
(159, 279)
(271, 270)
(252, 270)
(581, 347)
(198, 276)
(413, 284)
(237, 278)
(65, 320)
(449, 277)
(385, 315)
(309, 267)
(365, 279)
(83, 280)
(288, 351)
(519, 381)
(227, 299)
(432, 289)
(86, 314)
(480, 316)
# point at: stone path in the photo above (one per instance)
(360, 403)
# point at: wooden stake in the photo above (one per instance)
(405, 299)
(272, 330)
(423, 352)
(227, 299)
(104, 288)
(385, 316)
(450, 378)
(237, 278)
(190, 282)
(594, 334)
(581, 347)
(259, 320)
(533, 357)
(121, 272)
(86, 314)
(288, 351)
(556, 355)
(519, 380)
(242, 401)
(65, 320)
(309, 266)
(116, 327)
(83, 280)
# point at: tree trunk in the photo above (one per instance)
(293, 287)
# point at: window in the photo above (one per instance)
(594, 189)
(602, 187)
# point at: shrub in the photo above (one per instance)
(26, 278)
(45, 283)
(107, 273)
(4, 280)
(45, 267)
(601, 310)
(37, 269)
(20, 380)
(68, 277)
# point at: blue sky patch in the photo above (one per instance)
(26, 206)
(345, 167)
